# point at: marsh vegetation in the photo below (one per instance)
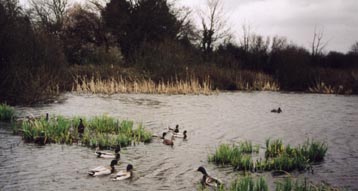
(100, 131)
(277, 156)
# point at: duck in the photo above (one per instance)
(122, 175)
(176, 130)
(41, 139)
(106, 155)
(179, 135)
(208, 180)
(167, 141)
(279, 110)
(81, 128)
(103, 170)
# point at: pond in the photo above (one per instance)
(209, 120)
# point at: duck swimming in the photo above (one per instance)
(279, 110)
(208, 180)
(167, 141)
(176, 130)
(103, 170)
(179, 135)
(122, 175)
(106, 155)
(81, 128)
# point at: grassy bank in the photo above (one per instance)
(277, 156)
(101, 131)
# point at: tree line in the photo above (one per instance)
(40, 46)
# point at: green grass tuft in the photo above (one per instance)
(277, 156)
(6, 112)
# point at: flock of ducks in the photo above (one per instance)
(107, 170)
(125, 174)
(206, 180)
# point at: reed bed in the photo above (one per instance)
(120, 85)
(100, 131)
(260, 82)
(6, 112)
(277, 156)
(321, 87)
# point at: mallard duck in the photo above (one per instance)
(106, 155)
(167, 141)
(208, 180)
(279, 110)
(176, 130)
(81, 128)
(122, 175)
(179, 135)
(103, 170)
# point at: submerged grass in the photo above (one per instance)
(6, 112)
(302, 185)
(277, 156)
(100, 131)
(248, 183)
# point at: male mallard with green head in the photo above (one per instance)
(106, 155)
(103, 170)
(179, 135)
(122, 175)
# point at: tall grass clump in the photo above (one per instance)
(273, 148)
(314, 150)
(248, 147)
(6, 112)
(277, 156)
(247, 183)
(100, 131)
(232, 155)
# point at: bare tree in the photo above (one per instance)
(278, 43)
(245, 43)
(50, 14)
(214, 26)
(354, 48)
(317, 45)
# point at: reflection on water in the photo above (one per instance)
(209, 120)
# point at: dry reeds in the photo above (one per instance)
(321, 87)
(258, 81)
(120, 85)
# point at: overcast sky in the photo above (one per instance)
(294, 19)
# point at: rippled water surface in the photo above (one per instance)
(209, 120)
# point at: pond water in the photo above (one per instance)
(209, 120)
